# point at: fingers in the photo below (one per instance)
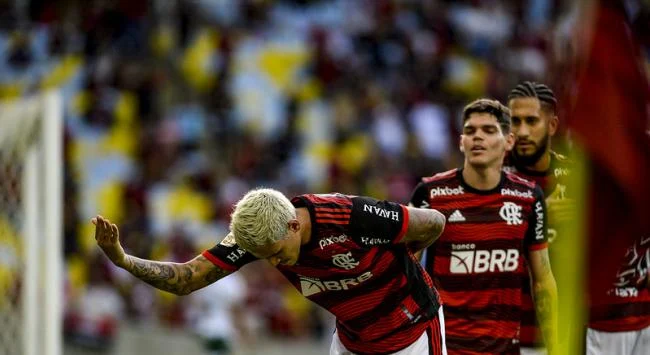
(105, 231)
(115, 234)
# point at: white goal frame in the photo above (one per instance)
(42, 225)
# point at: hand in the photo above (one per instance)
(108, 238)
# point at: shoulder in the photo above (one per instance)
(519, 181)
(441, 177)
(561, 165)
(331, 199)
(560, 158)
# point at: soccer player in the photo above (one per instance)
(534, 122)
(351, 255)
(494, 220)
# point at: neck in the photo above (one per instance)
(302, 214)
(482, 178)
(542, 164)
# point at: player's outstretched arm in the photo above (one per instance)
(545, 296)
(425, 226)
(177, 278)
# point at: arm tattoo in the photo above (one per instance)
(425, 227)
(179, 279)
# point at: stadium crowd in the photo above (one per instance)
(174, 109)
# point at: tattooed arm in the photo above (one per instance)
(425, 226)
(545, 296)
(177, 278)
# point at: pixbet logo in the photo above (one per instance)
(332, 240)
(310, 285)
(517, 193)
(480, 261)
(446, 191)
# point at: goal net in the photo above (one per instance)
(31, 259)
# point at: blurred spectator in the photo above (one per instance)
(218, 315)
(174, 109)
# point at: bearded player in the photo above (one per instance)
(533, 109)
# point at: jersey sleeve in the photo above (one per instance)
(228, 255)
(420, 196)
(374, 222)
(537, 234)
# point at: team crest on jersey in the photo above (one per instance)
(344, 261)
(511, 213)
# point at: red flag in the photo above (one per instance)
(609, 117)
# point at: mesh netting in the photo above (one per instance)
(17, 132)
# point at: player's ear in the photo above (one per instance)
(460, 144)
(510, 141)
(294, 225)
(552, 125)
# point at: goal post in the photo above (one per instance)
(31, 205)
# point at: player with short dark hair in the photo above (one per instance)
(533, 109)
(352, 255)
(494, 221)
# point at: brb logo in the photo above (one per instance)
(311, 285)
(345, 261)
(480, 261)
(511, 213)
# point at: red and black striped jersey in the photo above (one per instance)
(355, 267)
(552, 180)
(478, 262)
(626, 306)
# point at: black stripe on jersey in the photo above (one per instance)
(423, 294)
(501, 312)
(482, 244)
(474, 282)
(484, 344)
(529, 317)
(334, 214)
(332, 221)
(483, 214)
(618, 311)
(388, 304)
(333, 210)
(332, 205)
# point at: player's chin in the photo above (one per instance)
(479, 161)
(525, 151)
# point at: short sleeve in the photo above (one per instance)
(228, 255)
(420, 196)
(374, 222)
(537, 234)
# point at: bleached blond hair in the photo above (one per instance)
(261, 218)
